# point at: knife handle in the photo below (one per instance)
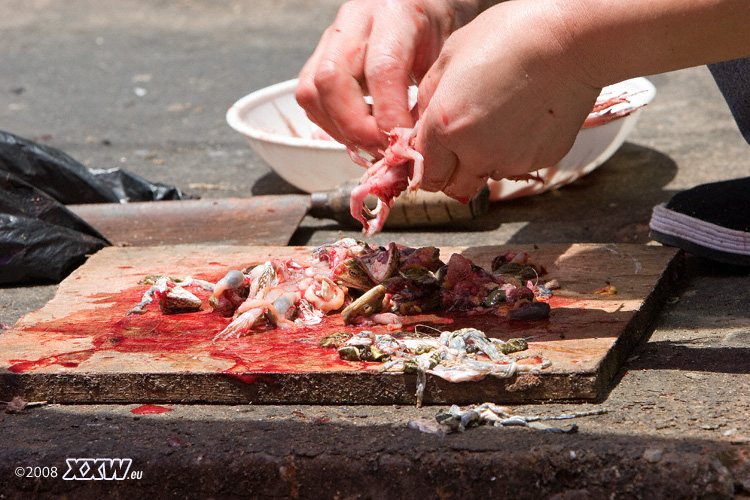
(409, 210)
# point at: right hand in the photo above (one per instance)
(504, 98)
(380, 48)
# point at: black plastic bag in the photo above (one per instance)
(40, 239)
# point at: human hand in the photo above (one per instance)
(380, 48)
(505, 97)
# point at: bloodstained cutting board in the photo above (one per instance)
(82, 347)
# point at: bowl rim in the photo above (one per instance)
(237, 110)
(643, 94)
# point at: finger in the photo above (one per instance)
(464, 183)
(429, 84)
(340, 96)
(335, 97)
(389, 63)
(307, 94)
(439, 161)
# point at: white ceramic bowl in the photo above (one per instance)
(281, 134)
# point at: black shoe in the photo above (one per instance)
(710, 220)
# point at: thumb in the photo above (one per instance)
(439, 161)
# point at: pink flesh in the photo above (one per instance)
(602, 112)
(387, 178)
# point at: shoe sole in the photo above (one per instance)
(699, 237)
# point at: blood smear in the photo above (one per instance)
(149, 410)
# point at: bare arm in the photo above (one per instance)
(620, 39)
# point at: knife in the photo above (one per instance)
(258, 220)
(420, 209)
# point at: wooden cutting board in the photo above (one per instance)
(82, 347)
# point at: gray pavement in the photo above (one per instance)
(145, 85)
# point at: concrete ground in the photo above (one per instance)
(144, 85)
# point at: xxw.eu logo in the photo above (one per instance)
(97, 469)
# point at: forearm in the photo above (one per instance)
(619, 39)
